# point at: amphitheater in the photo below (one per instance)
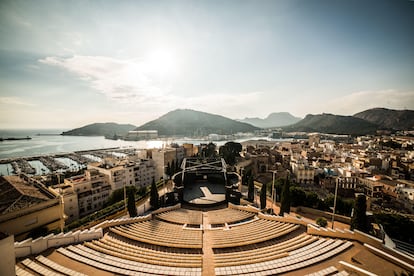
(234, 240)
(206, 235)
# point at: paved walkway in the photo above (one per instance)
(208, 254)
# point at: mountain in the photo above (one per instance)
(276, 119)
(389, 118)
(185, 122)
(101, 129)
(334, 124)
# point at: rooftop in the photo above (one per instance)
(17, 194)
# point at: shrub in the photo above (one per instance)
(321, 222)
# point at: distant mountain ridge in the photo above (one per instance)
(276, 119)
(186, 122)
(389, 118)
(334, 124)
(101, 129)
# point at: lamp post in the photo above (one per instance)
(125, 203)
(273, 191)
(334, 207)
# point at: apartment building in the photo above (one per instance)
(162, 157)
(128, 172)
(92, 189)
(70, 201)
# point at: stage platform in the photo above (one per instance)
(204, 192)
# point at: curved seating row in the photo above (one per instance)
(228, 215)
(117, 264)
(265, 253)
(251, 232)
(108, 245)
(182, 216)
(313, 253)
(160, 233)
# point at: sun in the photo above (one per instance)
(162, 62)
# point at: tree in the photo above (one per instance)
(177, 166)
(298, 196)
(154, 196)
(285, 198)
(263, 197)
(359, 219)
(229, 151)
(250, 189)
(132, 208)
(173, 171)
(209, 150)
(169, 171)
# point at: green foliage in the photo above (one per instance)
(321, 222)
(38, 232)
(359, 219)
(250, 189)
(154, 196)
(209, 150)
(337, 124)
(101, 129)
(230, 151)
(118, 195)
(169, 171)
(396, 226)
(263, 197)
(132, 209)
(194, 123)
(285, 199)
(343, 206)
(298, 196)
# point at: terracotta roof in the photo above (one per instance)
(17, 194)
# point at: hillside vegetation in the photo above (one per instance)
(185, 122)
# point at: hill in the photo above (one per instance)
(185, 122)
(334, 124)
(276, 119)
(389, 118)
(101, 129)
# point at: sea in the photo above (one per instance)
(49, 142)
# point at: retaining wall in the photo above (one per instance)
(30, 246)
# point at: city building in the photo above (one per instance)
(136, 135)
(27, 206)
(70, 201)
(92, 190)
(162, 157)
(126, 172)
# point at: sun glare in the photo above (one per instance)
(162, 62)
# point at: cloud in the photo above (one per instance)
(14, 101)
(126, 81)
(362, 100)
(355, 102)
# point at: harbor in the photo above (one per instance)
(61, 162)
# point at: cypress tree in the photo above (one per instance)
(154, 197)
(285, 198)
(173, 168)
(132, 209)
(169, 171)
(359, 219)
(263, 197)
(250, 189)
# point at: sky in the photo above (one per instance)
(65, 64)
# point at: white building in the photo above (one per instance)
(164, 156)
(126, 172)
(92, 189)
